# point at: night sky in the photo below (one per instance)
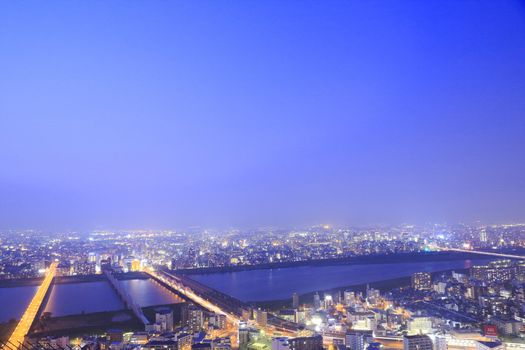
(168, 114)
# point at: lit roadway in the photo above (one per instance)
(233, 319)
(191, 295)
(510, 256)
(22, 328)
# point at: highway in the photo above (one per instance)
(22, 328)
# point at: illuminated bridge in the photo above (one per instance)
(17, 337)
(501, 255)
(126, 298)
(176, 283)
(218, 302)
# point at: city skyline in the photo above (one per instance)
(262, 175)
(261, 114)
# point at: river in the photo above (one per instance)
(14, 300)
(280, 283)
(251, 285)
(83, 297)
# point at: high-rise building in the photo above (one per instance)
(372, 293)
(195, 318)
(295, 300)
(135, 265)
(440, 342)
(483, 235)
(328, 301)
(317, 301)
(499, 271)
(417, 342)
(349, 297)
(261, 317)
(246, 334)
(356, 340)
(164, 319)
(338, 297)
(218, 320)
(247, 314)
(422, 281)
(520, 271)
(92, 257)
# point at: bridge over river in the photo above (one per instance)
(480, 252)
(208, 298)
(16, 340)
(126, 298)
(216, 301)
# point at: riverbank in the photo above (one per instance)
(356, 260)
(98, 322)
(278, 284)
(83, 323)
(24, 282)
(307, 298)
(21, 282)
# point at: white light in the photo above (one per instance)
(317, 320)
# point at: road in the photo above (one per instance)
(22, 328)
(229, 304)
(171, 281)
(233, 320)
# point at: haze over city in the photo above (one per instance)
(262, 175)
(161, 114)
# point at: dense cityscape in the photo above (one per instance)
(26, 253)
(479, 306)
(262, 175)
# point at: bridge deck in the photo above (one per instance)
(126, 298)
(22, 328)
(480, 252)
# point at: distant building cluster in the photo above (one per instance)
(481, 307)
(28, 253)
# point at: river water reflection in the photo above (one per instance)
(83, 297)
(272, 284)
(148, 293)
(87, 297)
(14, 300)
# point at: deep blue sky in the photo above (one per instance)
(167, 113)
